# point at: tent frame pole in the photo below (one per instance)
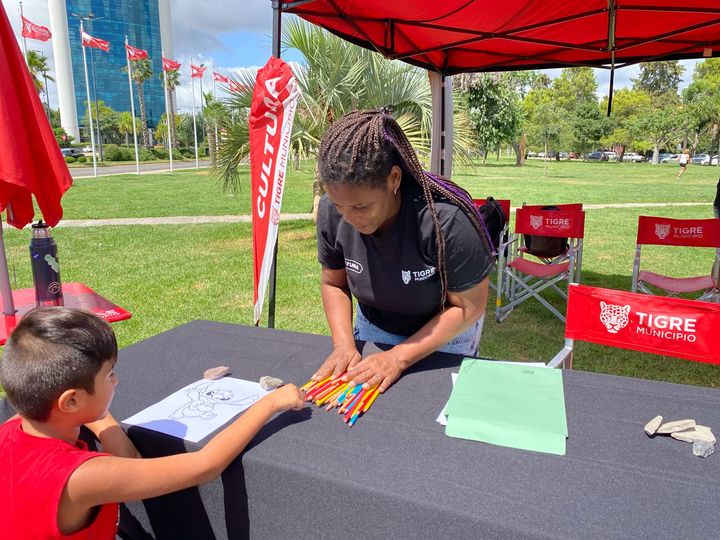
(276, 42)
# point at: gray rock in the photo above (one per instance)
(270, 383)
(652, 426)
(675, 425)
(703, 448)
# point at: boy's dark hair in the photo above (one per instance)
(361, 148)
(53, 350)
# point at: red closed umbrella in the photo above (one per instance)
(30, 159)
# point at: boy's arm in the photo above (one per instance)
(109, 479)
(112, 438)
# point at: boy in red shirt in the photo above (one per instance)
(57, 371)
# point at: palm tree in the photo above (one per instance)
(337, 77)
(141, 71)
(173, 81)
(38, 66)
(125, 126)
(214, 112)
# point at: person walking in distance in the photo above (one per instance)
(683, 160)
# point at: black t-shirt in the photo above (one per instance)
(393, 274)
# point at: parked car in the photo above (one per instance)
(633, 157)
(714, 160)
(87, 149)
(532, 154)
(596, 156)
(701, 159)
(609, 156)
(667, 158)
(72, 152)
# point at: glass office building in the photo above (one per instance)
(113, 20)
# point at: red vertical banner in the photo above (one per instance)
(272, 111)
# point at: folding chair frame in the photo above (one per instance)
(518, 286)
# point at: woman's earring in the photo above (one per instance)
(395, 191)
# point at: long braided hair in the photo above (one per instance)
(361, 148)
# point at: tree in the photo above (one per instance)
(125, 125)
(628, 105)
(701, 100)
(141, 71)
(574, 87)
(108, 123)
(214, 113)
(494, 108)
(589, 126)
(173, 81)
(38, 66)
(658, 126)
(546, 120)
(660, 79)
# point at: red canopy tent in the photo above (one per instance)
(455, 36)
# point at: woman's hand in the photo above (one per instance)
(380, 369)
(342, 358)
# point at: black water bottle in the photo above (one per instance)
(45, 267)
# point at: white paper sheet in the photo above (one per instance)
(442, 417)
(194, 412)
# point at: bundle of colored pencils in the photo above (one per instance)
(351, 401)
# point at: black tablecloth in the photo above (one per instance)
(396, 474)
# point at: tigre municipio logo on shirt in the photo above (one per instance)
(417, 275)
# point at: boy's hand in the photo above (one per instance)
(287, 397)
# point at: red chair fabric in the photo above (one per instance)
(655, 324)
(561, 223)
(662, 231)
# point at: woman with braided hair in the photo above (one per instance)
(410, 247)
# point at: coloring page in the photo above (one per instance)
(194, 412)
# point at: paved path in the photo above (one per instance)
(87, 172)
(195, 220)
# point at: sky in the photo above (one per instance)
(232, 35)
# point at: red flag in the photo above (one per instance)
(30, 159)
(196, 72)
(655, 324)
(34, 31)
(271, 117)
(95, 43)
(134, 53)
(236, 87)
(170, 65)
(220, 78)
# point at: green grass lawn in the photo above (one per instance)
(168, 275)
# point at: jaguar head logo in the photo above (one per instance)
(614, 317)
(662, 230)
(405, 276)
(536, 221)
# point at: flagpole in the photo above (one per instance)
(24, 40)
(168, 122)
(87, 90)
(217, 144)
(192, 80)
(132, 108)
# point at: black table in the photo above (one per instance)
(396, 474)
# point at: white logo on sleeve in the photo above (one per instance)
(353, 266)
(417, 275)
(614, 317)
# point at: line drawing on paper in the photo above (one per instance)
(205, 396)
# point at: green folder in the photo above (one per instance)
(509, 405)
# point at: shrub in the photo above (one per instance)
(188, 152)
(70, 159)
(82, 159)
(160, 153)
(116, 153)
(144, 155)
(177, 155)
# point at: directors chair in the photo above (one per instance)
(659, 231)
